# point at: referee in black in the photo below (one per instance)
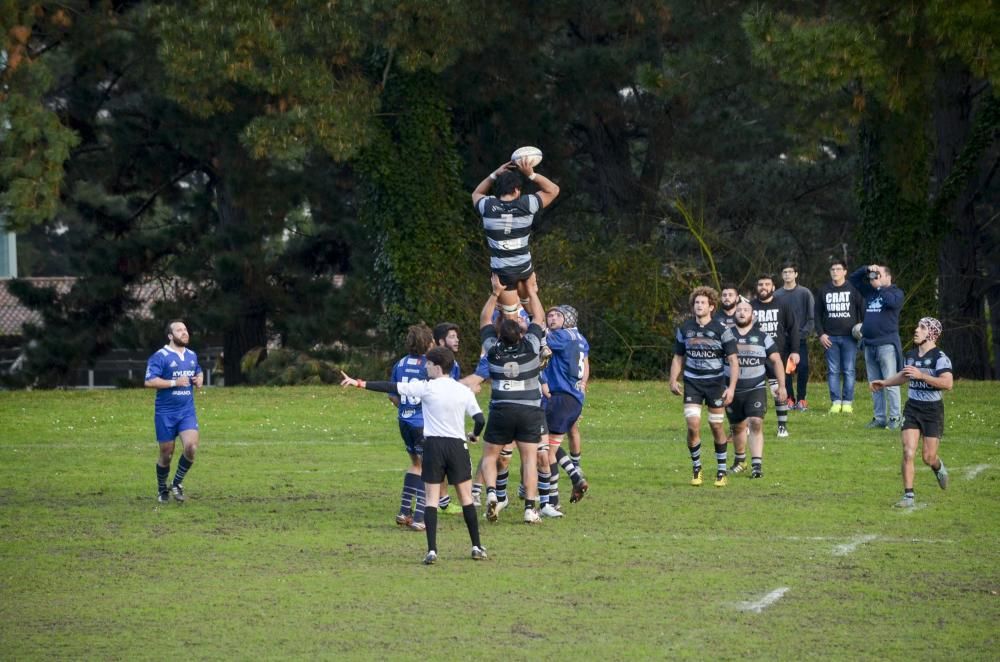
(446, 451)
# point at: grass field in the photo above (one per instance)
(286, 547)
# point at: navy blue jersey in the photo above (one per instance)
(168, 364)
(704, 348)
(508, 230)
(564, 373)
(934, 363)
(410, 368)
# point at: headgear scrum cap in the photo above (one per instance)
(569, 315)
(934, 328)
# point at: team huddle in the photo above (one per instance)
(729, 356)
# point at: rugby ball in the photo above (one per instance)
(856, 331)
(531, 155)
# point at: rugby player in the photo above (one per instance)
(702, 346)
(928, 370)
(515, 398)
(173, 371)
(565, 377)
(755, 349)
(413, 366)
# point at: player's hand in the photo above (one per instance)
(531, 282)
(183, 381)
(876, 385)
(347, 381)
(472, 438)
(727, 396)
(794, 357)
(675, 388)
(825, 341)
(526, 169)
(199, 379)
(497, 286)
(913, 372)
(782, 394)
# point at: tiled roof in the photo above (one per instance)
(14, 315)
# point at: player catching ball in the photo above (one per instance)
(928, 370)
(508, 215)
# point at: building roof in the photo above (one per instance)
(14, 314)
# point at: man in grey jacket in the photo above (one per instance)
(800, 300)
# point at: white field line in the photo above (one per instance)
(929, 541)
(849, 547)
(758, 606)
(972, 472)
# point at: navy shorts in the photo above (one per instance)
(509, 423)
(747, 404)
(169, 425)
(413, 438)
(562, 412)
(510, 279)
(444, 456)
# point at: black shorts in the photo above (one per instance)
(413, 438)
(708, 391)
(928, 417)
(747, 404)
(509, 423)
(444, 456)
(510, 279)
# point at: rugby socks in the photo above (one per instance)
(472, 524)
(477, 491)
(720, 459)
(781, 413)
(161, 477)
(554, 484)
(908, 493)
(183, 465)
(543, 487)
(420, 506)
(576, 459)
(756, 464)
(572, 469)
(431, 520)
(695, 456)
(529, 504)
(739, 458)
(502, 485)
(938, 467)
(411, 483)
(444, 502)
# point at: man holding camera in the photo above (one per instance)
(880, 339)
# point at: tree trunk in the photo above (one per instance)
(961, 299)
(241, 283)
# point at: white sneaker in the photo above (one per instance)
(782, 431)
(531, 516)
(431, 558)
(479, 554)
(548, 510)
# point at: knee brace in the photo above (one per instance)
(716, 418)
(506, 452)
(692, 411)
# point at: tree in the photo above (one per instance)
(918, 82)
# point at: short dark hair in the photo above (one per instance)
(729, 286)
(507, 181)
(443, 357)
(418, 339)
(837, 261)
(442, 330)
(509, 332)
(765, 277)
(790, 264)
(170, 325)
(888, 271)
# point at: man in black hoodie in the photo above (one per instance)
(839, 307)
(777, 320)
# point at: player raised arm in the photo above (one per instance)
(484, 187)
(486, 316)
(548, 190)
(534, 307)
